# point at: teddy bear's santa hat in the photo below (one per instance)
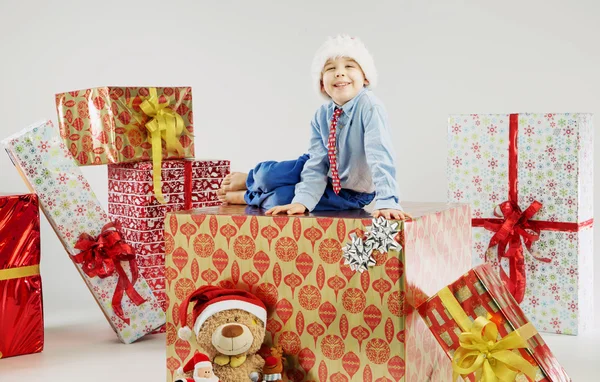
(198, 361)
(209, 300)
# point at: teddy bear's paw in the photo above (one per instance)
(237, 361)
(222, 360)
(254, 376)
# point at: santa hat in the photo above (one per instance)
(343, 46)
(198, 361)
(210, 300)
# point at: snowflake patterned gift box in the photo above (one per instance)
(21, 311)
(186, 184)
(334, 323)
(529, 180)
(481, 327)
(105, 262)
(127, 124)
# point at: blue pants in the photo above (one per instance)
(273, 184)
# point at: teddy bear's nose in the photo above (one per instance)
(232, 331)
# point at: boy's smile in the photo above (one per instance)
(342, 79)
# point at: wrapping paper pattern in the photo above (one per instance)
(72, 209)
(106, 125)
(132, 203)
(335, 324)
(21, 308)
(480, 292)
(555, 167)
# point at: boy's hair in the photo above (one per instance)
(343, 46)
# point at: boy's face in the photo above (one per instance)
(342, 79)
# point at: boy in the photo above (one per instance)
(350, 162)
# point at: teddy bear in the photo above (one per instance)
(229, 326)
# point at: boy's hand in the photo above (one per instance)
(292, 209)
(390, 213)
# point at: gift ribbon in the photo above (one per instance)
(165, 125)
(17, 273)
(187, 185)
(101, 256)
(481, 352)
(512, 226)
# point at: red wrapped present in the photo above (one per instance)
(21, 313)
(481, 327)
(186, 184)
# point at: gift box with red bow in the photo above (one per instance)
(21, 312)
(480, 326)
(529, 179)
(95, 245)
(186, 184)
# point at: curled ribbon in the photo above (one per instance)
(516, 229)
(481, 352)
(165, 125)
(102, 256)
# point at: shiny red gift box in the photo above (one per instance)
(21, 313)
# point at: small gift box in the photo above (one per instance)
(480, 326)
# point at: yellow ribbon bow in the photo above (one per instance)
(167, 125)
(481, 352)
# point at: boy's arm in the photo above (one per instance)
(314, 175)
(381, 157)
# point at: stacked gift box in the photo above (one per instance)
(185, 184)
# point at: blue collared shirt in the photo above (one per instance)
(365, 157)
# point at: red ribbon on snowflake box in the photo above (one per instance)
(101, 256)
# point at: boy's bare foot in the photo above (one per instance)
(236, 181)
(232, 197)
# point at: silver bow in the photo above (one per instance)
(380, 236)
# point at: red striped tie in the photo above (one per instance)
(335, 177)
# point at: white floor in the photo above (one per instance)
(85, 349)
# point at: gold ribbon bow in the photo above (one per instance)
(167, 125)
(481, 352)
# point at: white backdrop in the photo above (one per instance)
(249, 65)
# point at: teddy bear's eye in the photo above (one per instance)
(236, 319)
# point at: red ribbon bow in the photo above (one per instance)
(101, 256)
(516, 229)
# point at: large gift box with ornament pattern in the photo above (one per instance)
(95, 245)
(529, 180)
(482, 328)
(115, 124)
(333, 323)
(186, 184)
